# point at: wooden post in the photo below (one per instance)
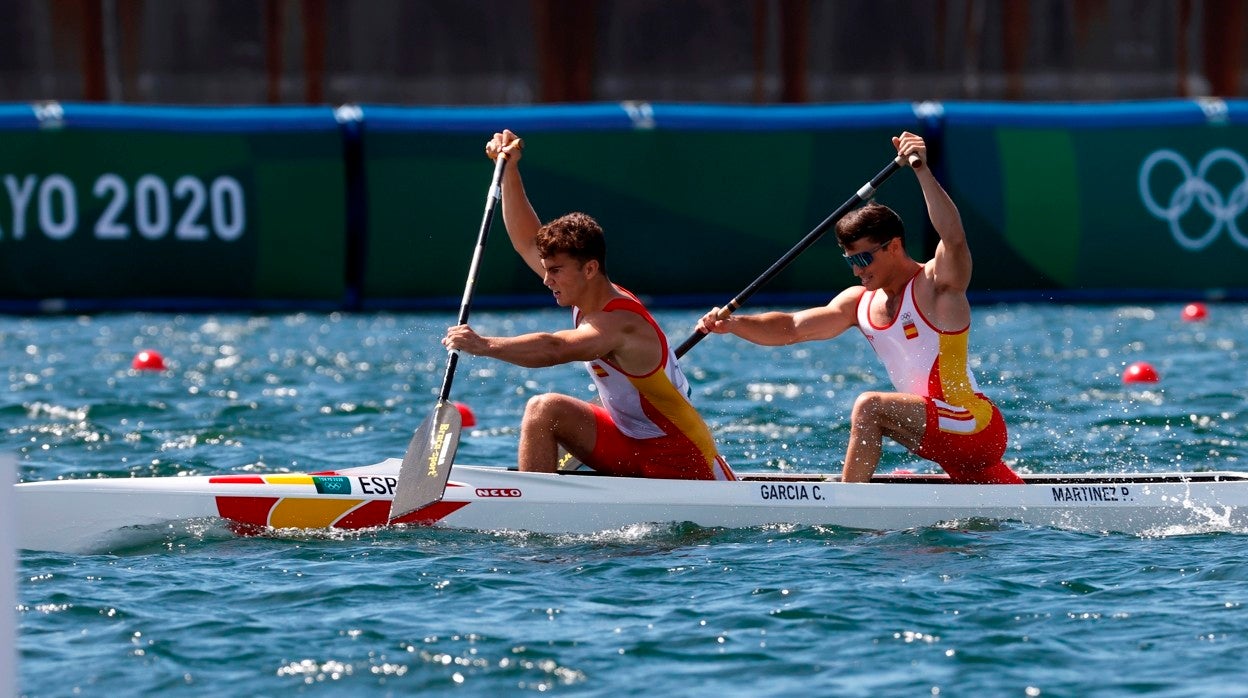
(565, 35)
(794, 50)
(1014, 22)
(273, 48)
(760, 51)
(94, 79)
(130, 20)
(1224, 45)
(1184, 12)
(314, 23)
(972, 31)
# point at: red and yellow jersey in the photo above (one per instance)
(923, 360)
(652, 405)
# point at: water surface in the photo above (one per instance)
(967, 608)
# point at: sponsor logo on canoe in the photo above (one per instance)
(498, 492)
(332, 484)
(1092, 493)
(790, 492)
(378, 485)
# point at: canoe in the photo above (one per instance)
(103, 514)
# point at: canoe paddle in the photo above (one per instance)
(568, 463)
(863, 194)
(427, 463)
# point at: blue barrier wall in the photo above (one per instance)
(378, 206)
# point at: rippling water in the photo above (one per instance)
(970, 608)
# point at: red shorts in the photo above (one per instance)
(667, 457)
(969, 458)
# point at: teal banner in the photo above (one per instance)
(379, 206)
(694, 201)
(1137, 196)
(117, 202)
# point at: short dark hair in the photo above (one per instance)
(876, 222)
(577, 235)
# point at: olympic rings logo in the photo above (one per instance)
(1194, 189)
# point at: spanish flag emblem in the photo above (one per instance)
(599, 370)
(911, 331)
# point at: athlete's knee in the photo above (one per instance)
(867, 408)
(541, 408)
(546, 409)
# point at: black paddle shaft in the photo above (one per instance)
(474, 269)
(426, 465)
(864, 193)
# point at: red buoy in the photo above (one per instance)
(1195, 312)
(467, 418)
(148, 360)
(1140, 372)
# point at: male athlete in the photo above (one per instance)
(646, 426)
(917, 318)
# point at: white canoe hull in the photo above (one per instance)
(99, 515)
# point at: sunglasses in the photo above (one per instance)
(863, 259)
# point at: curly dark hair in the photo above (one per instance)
(875, 222)
(577, 235)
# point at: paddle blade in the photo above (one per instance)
(427, 463)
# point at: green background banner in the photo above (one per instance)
(375, 206)
(109, 207)
(700, 208)
(1055, 198)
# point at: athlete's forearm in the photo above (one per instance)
(535, 350)
(771, 329)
